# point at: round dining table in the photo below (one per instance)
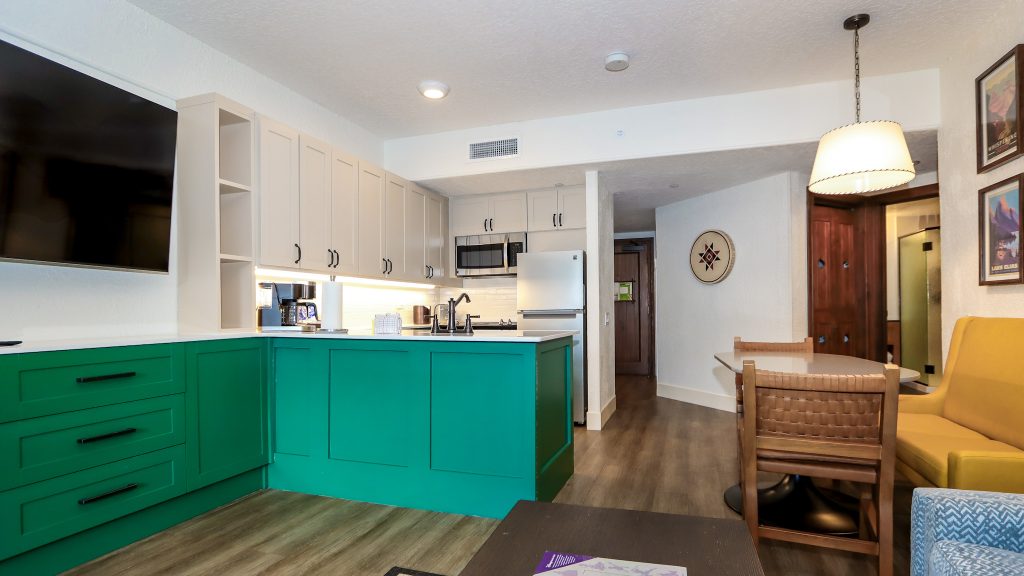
(794, 502)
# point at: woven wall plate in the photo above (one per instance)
(712, 256)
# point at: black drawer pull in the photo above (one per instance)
(106, 436)
(105, 495)
(119, 375)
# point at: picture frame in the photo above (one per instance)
(999, 232)
(1000, 110)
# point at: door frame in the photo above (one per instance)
(649, 246)
(871, 228)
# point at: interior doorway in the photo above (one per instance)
(852, 278)
(634, 306)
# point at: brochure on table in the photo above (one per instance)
(562, 564)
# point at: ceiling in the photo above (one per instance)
(512, 61)
(642, 185)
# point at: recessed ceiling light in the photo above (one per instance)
(433, 89)
(616, 62)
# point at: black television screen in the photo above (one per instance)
(86, 168)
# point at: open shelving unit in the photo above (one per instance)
(216, 215)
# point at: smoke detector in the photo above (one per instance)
(616, 62)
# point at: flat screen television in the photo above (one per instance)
(86, 168)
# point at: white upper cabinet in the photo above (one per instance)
(470, 215)
(395, 191)
(279, 194)
(315, 204)
(416, 233)
(561, 208)
(434, 237)
(343, 213)
(370, 214)
(489, 214)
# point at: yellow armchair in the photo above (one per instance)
(967, 434)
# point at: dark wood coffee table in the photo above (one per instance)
(703, 545)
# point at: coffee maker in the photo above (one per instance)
(289, 307)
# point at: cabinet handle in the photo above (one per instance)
(299, 248)
(118, 376)
(492, 224)
(105, 495)
(330, 255)
(391, 266)
(553, 220)
(559, 219)
(485, 224)
(385, 261)
(106, 436)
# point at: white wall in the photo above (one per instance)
(600, 304)
(763, 298)
(119, 43)
(971, 54)
(765, 118)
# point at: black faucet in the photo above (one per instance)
(452, 303)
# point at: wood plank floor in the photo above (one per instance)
(655, 454)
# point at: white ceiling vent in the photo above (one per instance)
(494, 149)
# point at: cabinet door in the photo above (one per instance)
(572, 207)
(225, 409)
(470, 215)
(279, 194)
(371, 213)
(315, 204)
(344, 209)
(508, 212)
(434, 239)
(395, 192)
(543, 210)
(416, 233)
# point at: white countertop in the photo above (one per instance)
(480, 335)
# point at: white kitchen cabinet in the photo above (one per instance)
(394, 226)
(344, 212)
(562, 208)
(371, 220)
(493, 213)
(416, 233)
(434, 236)
(279, 194)
(315, 204)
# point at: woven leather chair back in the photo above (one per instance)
(806, 346)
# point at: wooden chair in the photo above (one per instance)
(806, 346)
(824, 426)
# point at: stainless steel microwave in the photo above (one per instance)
(489, 254)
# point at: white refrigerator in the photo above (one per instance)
(551, 295)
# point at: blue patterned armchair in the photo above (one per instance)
(964, 532)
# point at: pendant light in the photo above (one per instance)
(864, 156)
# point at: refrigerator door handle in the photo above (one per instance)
(567, 312)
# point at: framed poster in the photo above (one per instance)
(999, 232)
(999, 109)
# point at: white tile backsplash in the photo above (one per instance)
(492, 298)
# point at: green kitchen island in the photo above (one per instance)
(462, 424)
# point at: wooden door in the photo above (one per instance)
(344, 211)
(572, 207)
(542, 208)
(415, 233)
(371, 214)
(395, 190)
(634, 336)
(434, 239)
(279, 194)
(508, 213)
(314, 204)
(470, 215)
(839, 322)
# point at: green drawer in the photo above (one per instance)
(43, 512)
(44, 383)
(47, 447)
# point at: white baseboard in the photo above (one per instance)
(595, 420)
(723, 402)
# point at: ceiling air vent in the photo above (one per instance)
(494, 149)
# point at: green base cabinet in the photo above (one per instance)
(226, 409)
(467, 428)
